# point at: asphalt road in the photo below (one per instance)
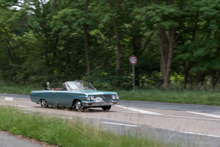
(151, 105)
(7, 140)
(185, 124)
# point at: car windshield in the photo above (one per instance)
(79, 85)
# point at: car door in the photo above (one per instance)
(48, 96)
(63, 98)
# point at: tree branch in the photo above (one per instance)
(105, 27)
(185, 29)
(37, 33)
(147, 41)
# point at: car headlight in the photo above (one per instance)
(113, 97)
(92, 98)
(117, 97)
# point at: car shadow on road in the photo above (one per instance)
(90, 110)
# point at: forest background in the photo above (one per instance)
(175, 41)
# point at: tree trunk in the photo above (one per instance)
(190, 64)
(198, 77)
(217, 80)
(116, 34)
(46, 57)
(203, 78)
(117, 38)
(117, 43)
(191, 81)
(186, 74)
(86, 44)
(9, 53)
(213, 79)
(166, 52)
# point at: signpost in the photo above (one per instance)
(133, 60)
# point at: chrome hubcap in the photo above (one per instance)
(78, 105)
(43, 102)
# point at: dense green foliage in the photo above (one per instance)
(57, 40)
(68, 133)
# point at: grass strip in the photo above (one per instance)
(173, 96)
(19, 89)
(67, 133)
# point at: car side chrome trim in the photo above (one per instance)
(70, 94)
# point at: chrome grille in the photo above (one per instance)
(104, 97)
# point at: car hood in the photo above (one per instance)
(86, 92)
(94, 92)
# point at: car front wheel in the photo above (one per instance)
(77, 105)
(43, 103)
(106, 108)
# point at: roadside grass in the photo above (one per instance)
(67, 133)
(173, 96)
(206, 97)
(19, 89)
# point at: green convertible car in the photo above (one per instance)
(77, 95)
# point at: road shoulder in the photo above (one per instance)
(8, 140)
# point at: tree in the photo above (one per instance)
(166, 15)
(200, 53)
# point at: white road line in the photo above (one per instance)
(63, 117)
(209, 135)
(205, 114)
(23, 102)
(120, 124)
(14, 105)
(20, 101)
(27, 112)
(9, 98)
(138, 110)
(20, 105)
(191, 117)
(164, 115)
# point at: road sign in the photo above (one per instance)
(133, 60)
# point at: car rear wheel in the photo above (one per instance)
(43, 103)
(77, 105)
(106, 108)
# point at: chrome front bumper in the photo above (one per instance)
(98, 104)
